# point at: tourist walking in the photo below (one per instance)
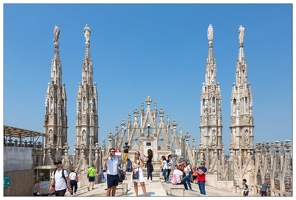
(245, 188)
(137, 166)
(73, 181)
(264, 188)
(188, 172)
(149, 164)
(37, 191)
(112, 172)
(170, 163)
(91, 177)
(60, 180)
(201, 177)
(164, 167)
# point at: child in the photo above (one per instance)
(104, 176)
(245, 188)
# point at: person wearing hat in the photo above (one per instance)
(60, 181)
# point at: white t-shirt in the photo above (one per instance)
(112, 164)
(178, 174)
(170, 164)
(165, 164)
(187, 169)
(60, 182)
(72, 176)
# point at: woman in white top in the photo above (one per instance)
(73, 181)
(187, 170)
(164, 166)
(137, 165)
(170, 163)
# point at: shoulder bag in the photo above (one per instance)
(135, 174)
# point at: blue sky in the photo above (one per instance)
(158, 50)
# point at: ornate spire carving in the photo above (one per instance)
(210, 118)
(87, 105)
(241, 123)
(55, 123)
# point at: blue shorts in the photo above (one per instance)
(112, 180)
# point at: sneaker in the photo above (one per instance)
(87, 188)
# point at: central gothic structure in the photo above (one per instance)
(149, 128)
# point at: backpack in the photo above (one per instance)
(121, 175)
(174, 179)
(63, 175)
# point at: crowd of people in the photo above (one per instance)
(181, 173)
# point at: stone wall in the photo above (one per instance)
(211, 180)
(21, 183)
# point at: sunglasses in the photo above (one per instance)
(112, 151)
(57, 163)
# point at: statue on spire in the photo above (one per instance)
(241, 31)
(86, 33)
(56, 33)
(210, 33)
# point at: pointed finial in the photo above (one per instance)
(210, 33)
(56, 33)
(86, 33)
(241, 31)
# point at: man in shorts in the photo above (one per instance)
(112, 172)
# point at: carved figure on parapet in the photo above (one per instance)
(56, 33)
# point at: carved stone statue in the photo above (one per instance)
(210, 33)
(56, 33)
(241, 31)
(50, 136)
(83, 136)
(214, 137)
(91, 106)
(86, 33)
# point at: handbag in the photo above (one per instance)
(135, 174)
